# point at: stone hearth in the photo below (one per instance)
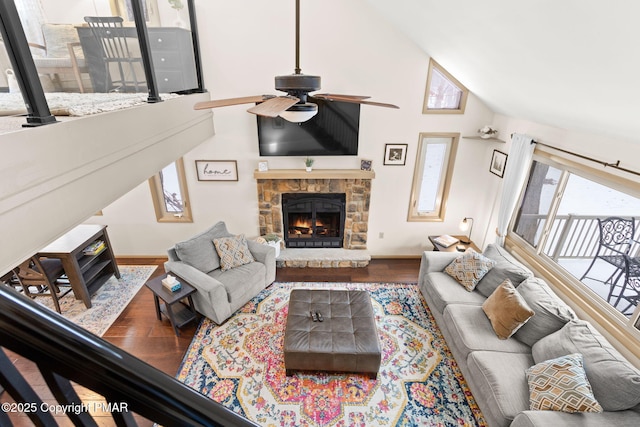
(355, 184)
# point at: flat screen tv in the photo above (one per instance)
(331, 132)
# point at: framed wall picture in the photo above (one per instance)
(365, 165)
(395, 154)
(149, 7)
(498, 163)
(217, 170)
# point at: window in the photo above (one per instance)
(444, 93)
(169, 193)
(560, 217)
(432, 175)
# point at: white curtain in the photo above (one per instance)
(515, 175)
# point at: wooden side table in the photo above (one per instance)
(452, 248)
(178, 313)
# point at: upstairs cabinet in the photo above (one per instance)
(171, 51)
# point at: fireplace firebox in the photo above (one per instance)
(313, 220)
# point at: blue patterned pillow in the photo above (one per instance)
(561, 385)
(233, 251)
(469, 268)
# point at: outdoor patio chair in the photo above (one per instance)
(630, 290)
(615, 239)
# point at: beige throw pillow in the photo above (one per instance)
(506, 310)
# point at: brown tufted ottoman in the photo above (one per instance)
(347, 339)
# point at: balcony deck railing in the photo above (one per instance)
(575, 236)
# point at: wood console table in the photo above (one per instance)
(452, 248)
(86, 273)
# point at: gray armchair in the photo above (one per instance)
(220, 292)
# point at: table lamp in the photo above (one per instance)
(466, 224)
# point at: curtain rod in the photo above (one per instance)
(615, 165)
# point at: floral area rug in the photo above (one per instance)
(241, 365)
(107, 302)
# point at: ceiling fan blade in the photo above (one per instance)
(331, 96)
(354, 100)
(274, 106)
(229, 101)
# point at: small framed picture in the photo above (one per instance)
(263, 166)
(217, 170)
(365, 165)
(395, 154)
(498, 163)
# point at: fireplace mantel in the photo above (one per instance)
(314, 174)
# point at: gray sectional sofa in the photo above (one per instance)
(495, 368)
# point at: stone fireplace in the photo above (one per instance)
(354, 185)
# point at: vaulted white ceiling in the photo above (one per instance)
(572, 64)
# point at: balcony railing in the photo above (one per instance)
(64, 352)
(574, 236)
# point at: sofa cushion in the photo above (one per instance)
(233, 251)
(500, 380)
(561, 384)
(241, 283)
(469, 268)
(506, 310)
(506, 267)
(470, 330)
(199, 251)
(615, 382)
(551, 313)
(444, 290)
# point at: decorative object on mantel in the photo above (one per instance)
(274, 241)
(487, 132)
(308, 162)
(365, 165)
(217, 170)
(395, 154)
(498, 163)
(263, 166)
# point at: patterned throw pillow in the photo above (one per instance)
(469, 268)
(561, 385)
(233, 251)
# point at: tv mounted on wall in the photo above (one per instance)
(331, 132)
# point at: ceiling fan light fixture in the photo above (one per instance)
(299, 113)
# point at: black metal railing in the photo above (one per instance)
(64, 352)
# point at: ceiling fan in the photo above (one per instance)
(295, 106)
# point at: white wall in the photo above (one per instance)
(244, 45)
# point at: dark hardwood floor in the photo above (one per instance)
(139, 332)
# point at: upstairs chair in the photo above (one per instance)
(225, 279)
(41, 277)
(615, 239)
(60, 55)
(121, 54)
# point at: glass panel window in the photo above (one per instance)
(539, 194)
(589, 228)
(444, 93)
(169, 191)
(432, 175)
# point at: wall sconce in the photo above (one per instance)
(466, 224)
